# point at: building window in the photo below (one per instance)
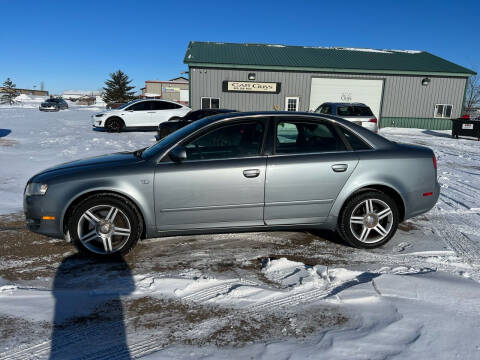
(443, 111)
(210, 103)
(292, 103)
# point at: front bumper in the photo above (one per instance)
(98, 122)
(35, 208)
(48, 109)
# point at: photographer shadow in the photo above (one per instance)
(89, 317)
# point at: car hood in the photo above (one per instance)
(103, 161)
(109, 111)
(47, 104)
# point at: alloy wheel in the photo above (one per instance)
(104, 229)
(371, 221)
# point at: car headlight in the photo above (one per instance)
(99, 115)
(36, 189)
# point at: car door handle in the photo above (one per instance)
(339, 167)
(251, 173)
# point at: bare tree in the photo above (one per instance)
(472, 97)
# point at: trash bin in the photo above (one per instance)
(466, 127)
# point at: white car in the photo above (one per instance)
(139, 114)
(357, 113)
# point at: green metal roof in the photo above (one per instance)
(334, 59)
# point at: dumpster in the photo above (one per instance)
(465, 126)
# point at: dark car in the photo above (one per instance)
(175, 123)
(53, 104)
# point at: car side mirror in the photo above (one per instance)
(178, 154)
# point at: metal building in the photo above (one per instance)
(403, 88)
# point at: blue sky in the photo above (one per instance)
(75, 45)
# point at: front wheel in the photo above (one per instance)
(369, 220)
(105, 225)
(114, 124)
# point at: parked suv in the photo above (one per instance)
(53, 104)
(357, 113)
(176, 123)
(139, 114)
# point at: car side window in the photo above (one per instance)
(300, 137)
(140, 106)
(355, 142)
(231, 141)
(164, 105)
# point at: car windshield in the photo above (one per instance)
(174, 137)
(127, 104)
(351, 110)
(52, 100)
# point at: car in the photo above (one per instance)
(53, 104)
(236, 172)
(138, 114)
(358, 113)
(175, 123)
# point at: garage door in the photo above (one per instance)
(364, 91)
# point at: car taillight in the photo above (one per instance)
(374, 120)
(434, 159)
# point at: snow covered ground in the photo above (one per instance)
(272, 295)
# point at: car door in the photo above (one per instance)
(136, 114)
(308, 168)
(221, 184)
(164, 110)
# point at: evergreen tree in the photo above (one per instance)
(117, 88)
(9, 92)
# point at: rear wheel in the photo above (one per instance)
(105, 225)
(369, 220)
(114, 124)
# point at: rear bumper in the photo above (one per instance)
(418, 203)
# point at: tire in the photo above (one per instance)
(114, 124)
(95, 234)
(372, 226)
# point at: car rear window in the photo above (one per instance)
(351, 110)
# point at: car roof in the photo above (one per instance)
(346, 104)
(170, 101)
(376, 140)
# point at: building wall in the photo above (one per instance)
(156, 88)
(403, 96)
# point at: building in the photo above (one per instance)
(174, 90)
(403, 88)
(75, 94)
(29, 91)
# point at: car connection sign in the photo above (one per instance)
(251, 87)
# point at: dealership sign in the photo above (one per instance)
(251, 87)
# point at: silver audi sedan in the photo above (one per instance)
(238, 172)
